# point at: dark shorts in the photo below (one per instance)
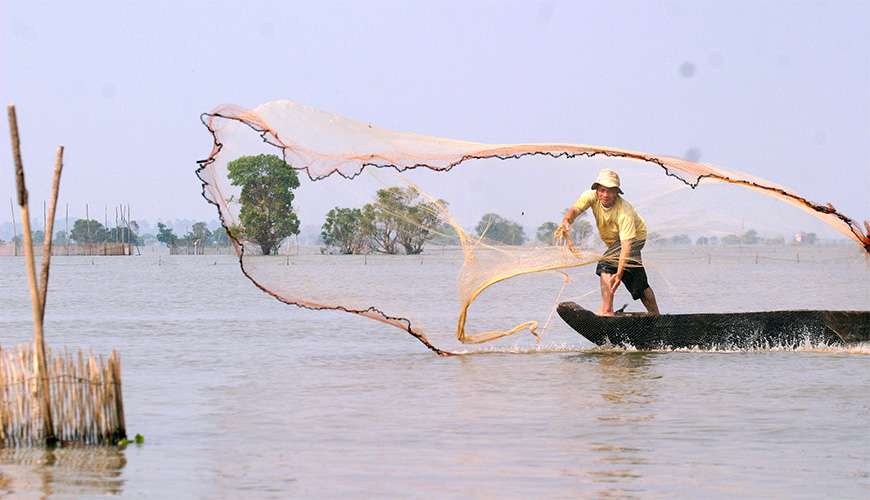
(634, 275)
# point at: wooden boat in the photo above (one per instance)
(720, 330)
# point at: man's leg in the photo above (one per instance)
(606, 295)
(649, 301)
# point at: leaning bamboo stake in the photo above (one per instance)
(39, 341)
(49, 229)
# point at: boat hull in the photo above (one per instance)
(747, 330)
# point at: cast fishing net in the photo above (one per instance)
(453, 185)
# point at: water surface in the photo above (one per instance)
(239, 395)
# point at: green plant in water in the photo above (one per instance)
(138, 439)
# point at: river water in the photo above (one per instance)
(241, 396)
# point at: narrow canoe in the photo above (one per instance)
(746, 330)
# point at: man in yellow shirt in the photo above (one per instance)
(624, 233)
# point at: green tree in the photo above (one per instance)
(219, 237)
(122, 234)
(267, 215)
(444, 234)
(196, 239)
(417, 220)
(88, 231)
(200, 234)
(545, 233)
(681, 239)
(60, 238)
(497, 228)
(166, 236)
(731, 239)
(343, 231)
(399, 219)
(749, 237)
(580, 232)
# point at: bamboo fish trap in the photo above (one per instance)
(85, 398)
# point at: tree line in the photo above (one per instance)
(397, 221)
(199, 236)
(90, 231)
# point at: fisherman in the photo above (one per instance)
(624, 233)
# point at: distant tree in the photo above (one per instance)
(196, 239)
(749, 237)
(702, 240)
(545, 233)
(200, 233)
(655, 238)
(88, 231)
(38, 236)
(714, 240)
(122, 234)
(497, 228)
(219, 237)
(731, 239)
(166, 236)
(267, 215)
(134, 238)
(680, 239)
(343, 231)
(444, 234)
(417, 220)
(810, 239)
(399, 219)
(581, 230)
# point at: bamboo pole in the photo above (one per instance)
(39, 341)
(88, 230)
(129, 231)
(119, 398)
(49, 229)
(67, 229)
(14, 229)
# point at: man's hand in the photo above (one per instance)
(563, 232)
(615, 280)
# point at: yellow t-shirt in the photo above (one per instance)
(617, 223)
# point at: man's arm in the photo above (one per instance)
(624, 251)
(574, 211)
(570, 215)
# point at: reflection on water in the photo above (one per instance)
(626, 385)
(62, 471)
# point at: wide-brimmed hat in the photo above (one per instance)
(607, 178)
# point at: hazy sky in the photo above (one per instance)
(778, 89)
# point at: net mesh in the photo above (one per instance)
(344, 162)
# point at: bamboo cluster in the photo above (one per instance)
(84, 392)
(45, 402)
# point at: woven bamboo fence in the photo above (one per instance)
(84, 392)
